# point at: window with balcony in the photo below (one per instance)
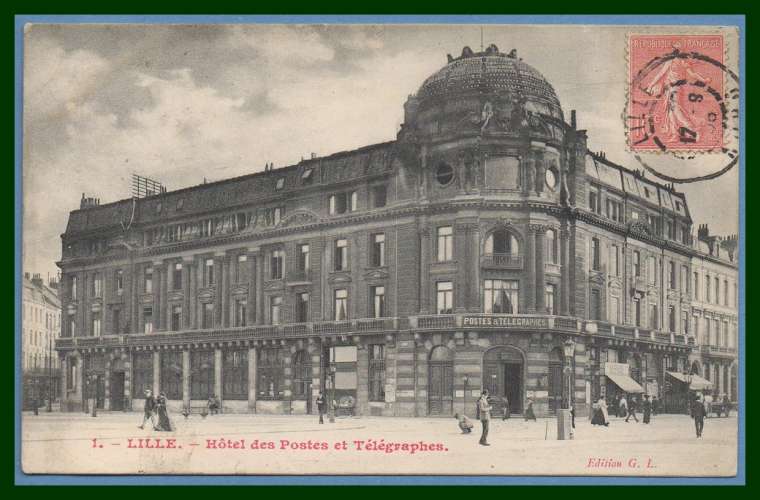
(340, 304)
(377, 299)
(341, 255)
(276, 262)
(148, 280)
(242, 274)
(502, 249)
(377, 254)
(303, 259)
(275, 309)
(147, 318)
(551, 293)
(671, 319)
(445, 243)
(379, 196)
(209, 277)
(444, 297)
(302, 307)
(176, 318)
(241, 308)
(95, 325)
(177, 276)
(207, 315)
(501, 296)
(97, 285)
(376, 372)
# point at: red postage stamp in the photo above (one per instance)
(675, 93)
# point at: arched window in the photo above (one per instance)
(502, 242)
(550, 247)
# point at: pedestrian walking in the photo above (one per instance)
(465, 425)
(149, 410)
(600, 413)
(622, 409)
(647, 405)
(321, 407)
(529, 414)
(655, 405)
(698, 414)
(632, 410)
(164, 422)
(484, 414)
(506, 408)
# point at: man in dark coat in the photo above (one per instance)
(632, 410)
(698, 414)
(484, 414)
(149, 409)
(321, 407)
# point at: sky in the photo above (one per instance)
(181, 104)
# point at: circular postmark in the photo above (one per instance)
(683, 106)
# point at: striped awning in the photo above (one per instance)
(626, 383)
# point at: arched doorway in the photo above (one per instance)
(555, 379)
(503, 369)
(441, 381)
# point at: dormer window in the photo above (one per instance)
(280, 184)
(307, 176)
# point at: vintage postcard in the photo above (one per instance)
(374, 249)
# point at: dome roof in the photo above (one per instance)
(490, 71)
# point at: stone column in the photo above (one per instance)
(187, 275)
(218, 360)
(219, 268)
(530, 264)
(165, 312)
(135, 291)
(156, 372)
(425, 260)
(474, 259)
(260, 288)
(565, 273)
(540, 270)
(252, 284)
(252, 360)
(186, 377)
(157, 292)
(227, 272)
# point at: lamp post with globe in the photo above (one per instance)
(564, 416)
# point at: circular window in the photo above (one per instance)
(551, 178)
(444, 174)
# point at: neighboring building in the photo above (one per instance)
(471, 252)
(40, 328)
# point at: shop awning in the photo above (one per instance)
(626, 383)
(697, 383)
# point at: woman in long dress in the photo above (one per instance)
(164, 422)
(600, 413)
(647, 409)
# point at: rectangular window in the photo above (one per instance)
(235, 374)
(550, 247)
(636, 263)
(207, 319)
(379, 196)
(685, 322)
(653, 319)
(241, 306)
(73, 288)
(671, 319)
(118, 282)
(652, 270)
(725, 292)
(97, 285)
(343, 202)
(208, 276)
(269, 371)
(707, 288)
(95, 330)
(241, 269)
(376, 372)
(276, 262)
(148, 280)
(171, 374)
(177, 276)
(717, 290)
(340, 304)
(201, 374)
(593, 203)
(595, 254)
(551, 292)
(501, 296)
(116, 321)
(445, 243)
(72, 325)
(147, 320)
(444, 297)
(142, 373)
(377, 298)
(275, 306)
(341, 255)
(672, 274)
(176, 318)
(302, 307)
(378, 250)
(614, 266)
(303, 258)
(595, 311)
(684, 279)
(637, 312)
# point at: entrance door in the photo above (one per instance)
(100, 394)
(503, 377)
(555, 380)
(513, 386)
(441, 382)
(117, 391)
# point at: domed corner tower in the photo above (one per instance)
(488, 122)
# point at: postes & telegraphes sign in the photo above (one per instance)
(494, 321)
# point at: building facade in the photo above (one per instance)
(40, 329)
(485, 247)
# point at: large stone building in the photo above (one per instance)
(485, 247)
(40, 327)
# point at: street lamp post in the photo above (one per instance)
(93, 382)
(564, 416)
(332, 393)
(466, 383)
(50, 373)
